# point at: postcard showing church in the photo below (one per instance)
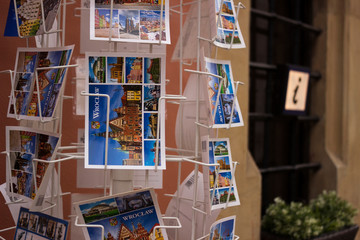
(29, 82)
(144, 21)
(218, 180)
(132, 215)
(134, 85)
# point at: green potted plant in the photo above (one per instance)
(326, 217)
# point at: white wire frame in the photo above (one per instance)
(236, 237)
(83, 93)
(38, 88)
(167, 227)
(90, 226)
(237, 83)
(161, 99)
(218, 23)
(12, 73)
(21, 200)
(6, 229)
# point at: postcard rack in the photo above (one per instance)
(55, 196)
(195, 159)
(197, 114)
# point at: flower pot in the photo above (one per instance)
(348, 233)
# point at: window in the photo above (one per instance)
(281, 34)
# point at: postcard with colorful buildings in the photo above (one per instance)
(134, 84)
(144, 21)
(22, 146)
(224, 110)
(219, 181)
(131, 215)
(26, 91)
(223, 229)
(225, 25)
(30, 16)
(39, 226)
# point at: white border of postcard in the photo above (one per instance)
(33, 87)
(117, 199)
(38, 200)
(222, 33)
(138, 8)
(230, 89)
(221, 222)
(227, 160)
(145, 85)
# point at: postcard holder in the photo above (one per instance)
(167, 227)
(38, 88)
(236, 237)
(161, 99)
(194, 199)
(11, 190)
(58, 195)
(231, 183)
(239, 5)
(88, 225)
(83, 93)
(237, 83)
(12, 93)
(6, 229)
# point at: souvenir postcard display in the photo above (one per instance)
(39, 226)
(24, 100)
(30, 16)
(223, 229)
(223, 95)
(131, 215)
(22, 146)
(218, 151)
(134, 84)
(132, 20)
(226, 25)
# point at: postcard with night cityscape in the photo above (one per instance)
(131, 21)
(223, 228)
(134, 86)
(23, 145)
(132, 215)
(226, 110)
(219, 181)
(25, 98)
(226, 24)
(39, 226)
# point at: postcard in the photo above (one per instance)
(130, 21)
(23, 145)
(224, 110)
(223, 229)
(131, 215)
(135, 84)
(24, 102)
(39, 226)
(225, 24)
(29, 16)
(219, 182)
